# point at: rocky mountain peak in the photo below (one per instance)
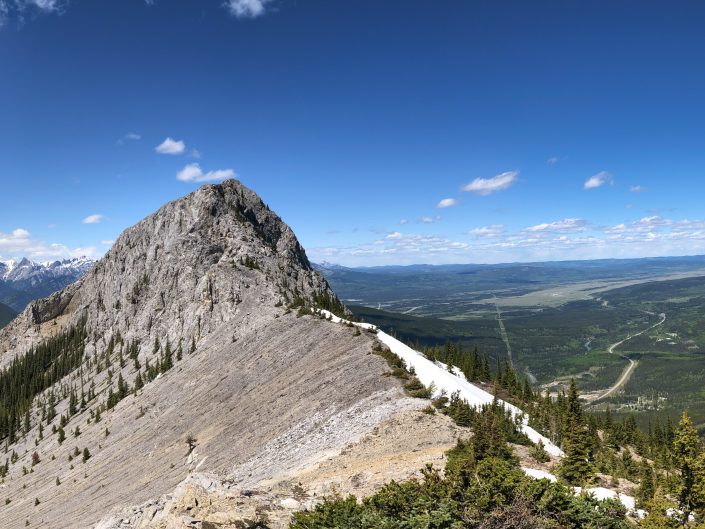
(199, 262)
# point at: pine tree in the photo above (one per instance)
(698, 492)
(123, 388)
(26, 422)
(685, 452)
(576, 467)
(61, 435)
(139, 383)
(647, 484)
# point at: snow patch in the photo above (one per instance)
(599, 493)
(437, 374)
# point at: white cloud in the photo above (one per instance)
(560, 240)
(564, 225)
(130, 136)
(93, 219)
(15, 9)
(193, 173)
(247, 8)
(19, 243)
(487, 232)
(487, 186)
(107, 242)
(195, 153)
(446, 203)
(170, 146)
(45, 5)
(598, 180)
(553, 160)
(637, 189)
(403, 221)
(429, 220)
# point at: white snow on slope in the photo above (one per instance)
(539, 474)
(437, 374)
(599, 493)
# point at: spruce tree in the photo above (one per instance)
(61, 435)
(685, 452)
(576, 467)
(647, 484)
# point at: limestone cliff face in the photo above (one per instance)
(180, 273)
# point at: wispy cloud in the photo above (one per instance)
(487, 186)
(487, 232)
(171, 146)
(107, 242)
(130, 136)
(193, 173)
(553, 160)
(429, 220)
(93, 219)
(20, 243)
(16, 9)
(446, 203)
(247, 8)
(403, 221)
(564, 225)
(598, 180)
(569, 238)
(637, 189)
(46, 5)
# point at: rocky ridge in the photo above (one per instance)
(255, 387)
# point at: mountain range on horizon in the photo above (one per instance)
(24, 280)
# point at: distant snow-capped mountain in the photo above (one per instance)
(325, 267)
(22, 281)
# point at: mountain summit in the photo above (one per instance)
(189, 348)
(182, 272)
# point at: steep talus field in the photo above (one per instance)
(187, 348)
(234, 398)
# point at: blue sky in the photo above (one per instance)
(548, 130)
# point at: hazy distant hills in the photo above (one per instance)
(401, 288)
(22, 281)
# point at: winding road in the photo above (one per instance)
(627, 373)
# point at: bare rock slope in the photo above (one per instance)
(246, 390)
